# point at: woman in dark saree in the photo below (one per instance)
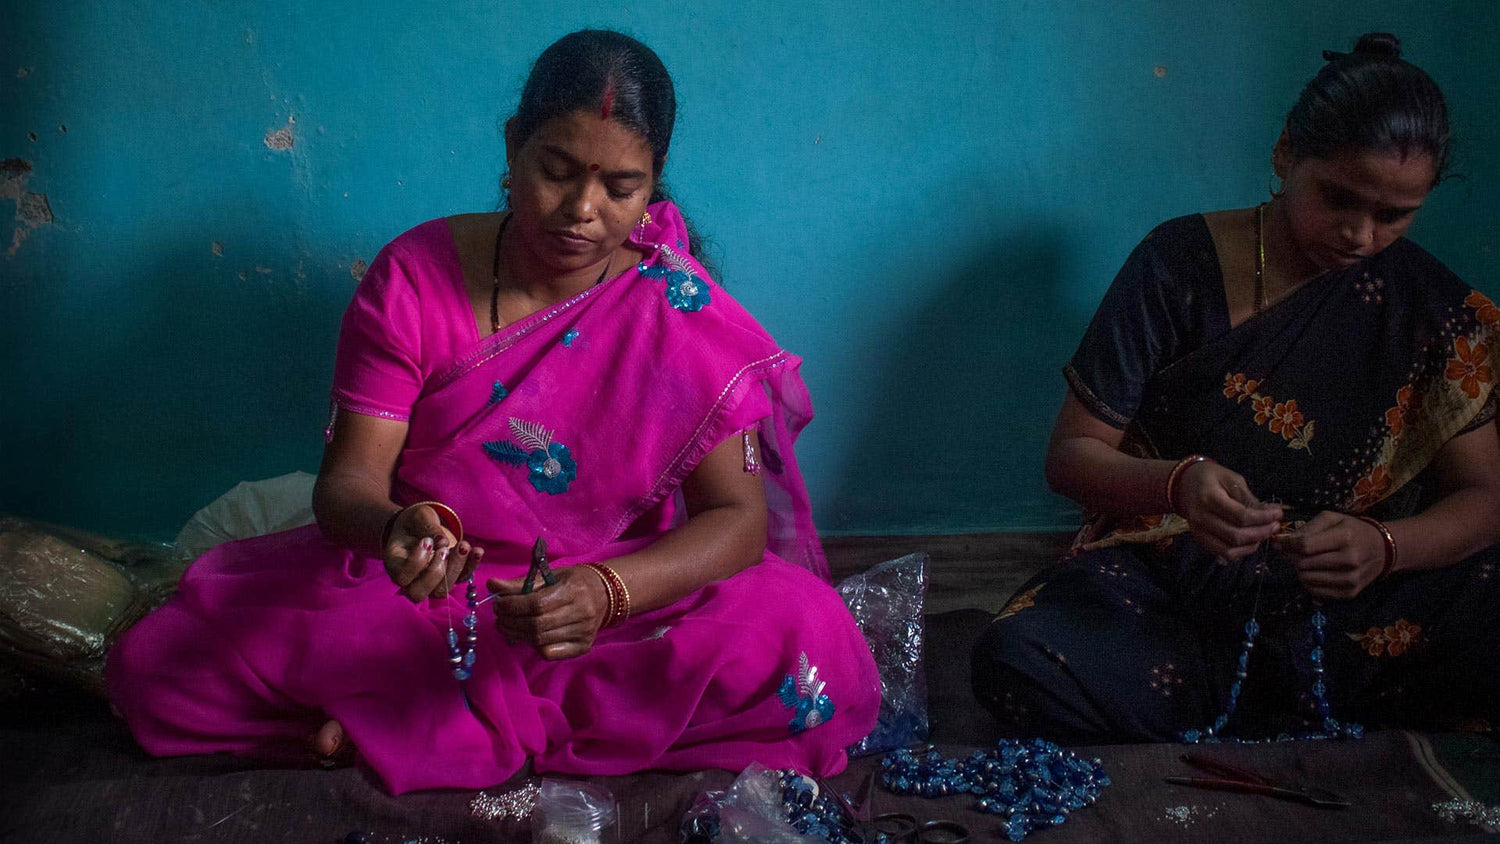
(1281, 418)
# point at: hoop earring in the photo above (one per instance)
(1276, 185)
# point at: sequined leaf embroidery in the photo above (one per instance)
(530, 434)
(506, 452)
(550, 465)
(803, 694)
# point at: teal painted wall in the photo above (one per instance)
(926, 201)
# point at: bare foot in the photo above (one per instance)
(331, 746)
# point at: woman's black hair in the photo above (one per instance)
(1370, 100)
(620, 79)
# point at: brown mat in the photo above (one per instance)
(72, 774)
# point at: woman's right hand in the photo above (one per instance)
(424, 558)
(1222, 512)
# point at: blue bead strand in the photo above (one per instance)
(463, 660)
(1322, 710)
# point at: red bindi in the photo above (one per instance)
(593, 168)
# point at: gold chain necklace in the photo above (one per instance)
(1260, 259)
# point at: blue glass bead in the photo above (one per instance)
(471, 620)
(469, 659)
(1252, 628)
(1318, 689)
(1316, 655)
(1318, 620)
(452, 639)
(462, 673)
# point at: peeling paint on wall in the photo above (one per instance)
(23, 72)
(32, 209)
(281, 139)
(358, 268)
(218, 249)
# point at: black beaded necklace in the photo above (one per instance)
(495, 275)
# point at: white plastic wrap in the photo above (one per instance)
(251, 508)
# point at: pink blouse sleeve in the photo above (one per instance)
(378, 370)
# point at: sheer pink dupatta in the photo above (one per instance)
(580, 422)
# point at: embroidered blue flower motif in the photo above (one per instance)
(498, 392)
(686, 290)
(803, 694)
(569, 336)
(551, 467)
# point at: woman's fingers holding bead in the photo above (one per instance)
(430, 581)
(471, 562)
(456, 567)
(417, 555)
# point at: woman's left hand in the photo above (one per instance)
(560, 620)
(1336, 555)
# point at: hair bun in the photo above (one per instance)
(1378, 44)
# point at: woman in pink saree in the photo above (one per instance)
(568, 371)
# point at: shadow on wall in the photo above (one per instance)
(192, 373)
(968, 384)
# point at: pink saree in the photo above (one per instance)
(578, 424)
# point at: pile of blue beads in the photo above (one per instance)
(1033, 783)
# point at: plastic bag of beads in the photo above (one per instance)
(753, 810)
(700, 823)
(573, 813)
(886, 602)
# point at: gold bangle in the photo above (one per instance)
(619, 594)
(1175, 474)
(609, 591)
(1390, 545)
(445, 514)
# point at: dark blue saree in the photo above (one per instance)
(1336, 398)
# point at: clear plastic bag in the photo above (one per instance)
(886, 602)
(65, 594)
(574, 813)
(749, 812)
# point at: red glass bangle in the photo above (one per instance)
(1182, 465)
(1390, 545)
